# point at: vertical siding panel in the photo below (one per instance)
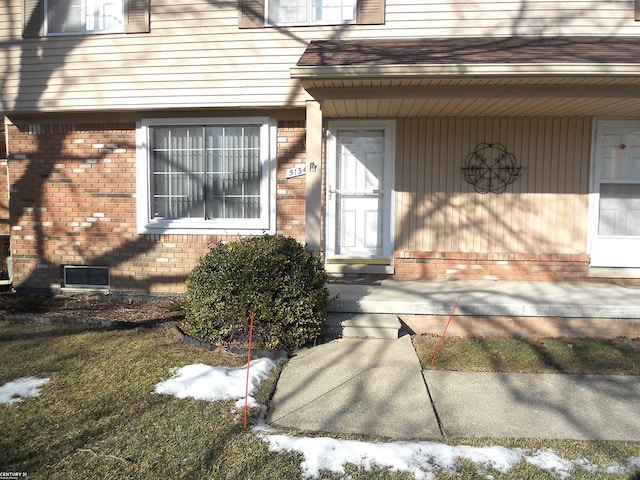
(431, 174)
(580, 185)
(541, 180)
(543, 211)
(477, 225)
(401, 191)
(564, 165)
(515, 190)
(420, 176)
(414, 223)
(519, 203)
(448, 183)
(437, 182)
(463, 198)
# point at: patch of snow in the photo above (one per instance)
(15, 391)
(551, 461)
(421, 459)
(203, 382)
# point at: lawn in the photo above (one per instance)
(99, 417)
(596, 356)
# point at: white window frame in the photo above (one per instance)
(309, 20)
(83, 16)
(265, 224)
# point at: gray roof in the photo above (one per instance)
(467, 50)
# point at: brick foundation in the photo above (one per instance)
(73, 202)
(490, 266)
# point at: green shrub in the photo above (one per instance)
(275, 277)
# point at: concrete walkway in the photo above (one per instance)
(373, 387)
(376, 387)
(550, 406)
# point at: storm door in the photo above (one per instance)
(616, 192)
(359, 191)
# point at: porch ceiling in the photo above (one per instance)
(474, 77)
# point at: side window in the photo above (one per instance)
(206, 176)
(79, 17)
(261, 13)
(83, 16)
(306, 12)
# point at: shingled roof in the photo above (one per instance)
(442, 51)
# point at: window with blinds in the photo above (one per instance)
(214, 175)
(209, 172)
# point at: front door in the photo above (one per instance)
(616, 195)
(359, 191)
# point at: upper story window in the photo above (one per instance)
(209, 176)
(261, 13)
(302, 12)
(84, 16)
(80, 17)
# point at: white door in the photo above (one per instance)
(616, 195)
(359, 190)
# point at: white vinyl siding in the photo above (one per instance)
(195, 56)
(206, 175)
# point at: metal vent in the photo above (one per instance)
(86, 277)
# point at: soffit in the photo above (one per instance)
(463, 77)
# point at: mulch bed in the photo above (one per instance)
(127, 311)
(110, 312)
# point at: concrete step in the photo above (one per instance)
(371, 325)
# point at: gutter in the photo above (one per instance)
(467, 70)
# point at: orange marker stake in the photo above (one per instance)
(246, 390)
(433, 360)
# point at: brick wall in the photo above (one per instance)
(73, 203)
(491, 266)
(291, 204)
(4, 184)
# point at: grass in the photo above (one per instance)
(99, 418)
(589, 356)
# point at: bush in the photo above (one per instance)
(281, 281)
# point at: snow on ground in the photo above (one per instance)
(422, 459)
(16, 390)
(216, 383)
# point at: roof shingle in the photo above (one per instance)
(467, 50)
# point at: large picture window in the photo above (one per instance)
(211, 175)
(84, 16)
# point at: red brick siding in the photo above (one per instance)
(291, 204)
(491, 266)
(497, 266)
(73, 203)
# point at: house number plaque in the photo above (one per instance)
(490, 168)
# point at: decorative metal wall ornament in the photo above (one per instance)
(490, 168)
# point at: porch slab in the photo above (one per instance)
(488, 298)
